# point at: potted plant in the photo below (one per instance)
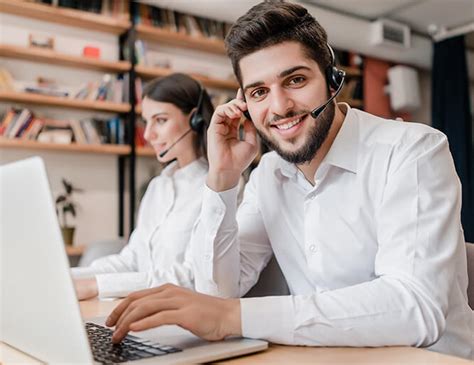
(65, 205)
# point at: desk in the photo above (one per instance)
(277, 354)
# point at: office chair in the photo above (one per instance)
(470, 273)
(99, 249)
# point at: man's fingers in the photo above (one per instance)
(240, 94)
(117, 312)
(145, 307)
(142, 309)
(158, 319)
(250, 132)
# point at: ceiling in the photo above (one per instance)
(418, 14)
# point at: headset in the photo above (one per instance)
(335, 79)
(196, 121)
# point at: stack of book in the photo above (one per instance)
(106, 90)
(22, 124)
(106, 7)
(140, 133)
(179, 22)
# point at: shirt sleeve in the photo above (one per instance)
(124, 261)
(420, 245)
(123, 283)
(229, 248)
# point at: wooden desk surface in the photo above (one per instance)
(277, 354)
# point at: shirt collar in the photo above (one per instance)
(191, 170)
(344, 149)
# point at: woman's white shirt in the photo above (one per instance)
(157, 250)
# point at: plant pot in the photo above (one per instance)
(68, 235)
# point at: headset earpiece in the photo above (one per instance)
(196, 120)
(334, 76)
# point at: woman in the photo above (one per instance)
(177, 111)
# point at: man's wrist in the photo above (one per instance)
(222, 181)
(232, 318)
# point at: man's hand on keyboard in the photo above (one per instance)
(208, 317)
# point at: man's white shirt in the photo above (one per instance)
(373, 253)
(157, 250)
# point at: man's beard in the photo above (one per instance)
(317, 135)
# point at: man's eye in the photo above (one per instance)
(258, 93)
(296, 80)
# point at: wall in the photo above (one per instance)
(377, 102)
(97, 174)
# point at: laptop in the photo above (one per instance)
(39, 312)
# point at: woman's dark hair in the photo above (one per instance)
(183, 91)
(273, 22)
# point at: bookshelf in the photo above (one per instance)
(54, 101)
(145, 151)
(108, 149)
(71, 17)
(154, 34)
(151, 72)
(56, 58)
(75, 250)
(119, 24)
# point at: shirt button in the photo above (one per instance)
(312, 248)
(207, 257)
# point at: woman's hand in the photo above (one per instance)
(86, 288)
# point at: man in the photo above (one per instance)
(362, 213)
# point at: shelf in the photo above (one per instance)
(30, 98)
(145, 152)
(66, 16)
(108, 149)
(155, 34)
(351, 71)
(55, 58)
(75, 250)
(150, 72)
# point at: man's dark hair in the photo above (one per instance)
(270, 23)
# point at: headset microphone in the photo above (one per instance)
(162, 154)
(335, 79)
(316, 111)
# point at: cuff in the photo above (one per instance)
(220, 207)
(83, 272)
(268, 318)
(121, 284)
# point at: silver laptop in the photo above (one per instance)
(39, 312)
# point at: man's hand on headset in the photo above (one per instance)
(228, 155)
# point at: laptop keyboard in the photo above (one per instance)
(131, 348)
